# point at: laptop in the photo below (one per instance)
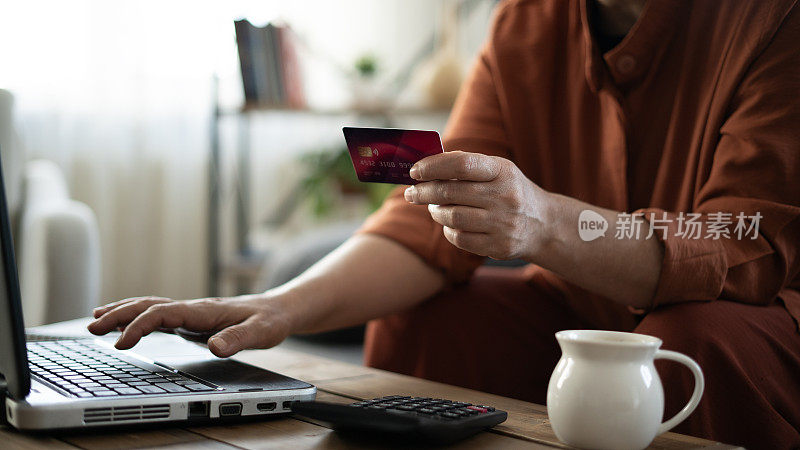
(53, 382)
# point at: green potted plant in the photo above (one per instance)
(329, 176)
(364, 83)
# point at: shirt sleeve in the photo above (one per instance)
(475, 125)
(755, 171)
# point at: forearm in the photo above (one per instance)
(488, 207)
(366, 277)
(624, 270)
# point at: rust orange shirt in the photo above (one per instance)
(696, 110)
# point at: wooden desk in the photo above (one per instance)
(527, 425)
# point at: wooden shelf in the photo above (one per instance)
(243, 268)
(378, 111)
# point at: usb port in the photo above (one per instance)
(269, 406)
(230, 409)
(287, 404)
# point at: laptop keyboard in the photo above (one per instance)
(85, 369)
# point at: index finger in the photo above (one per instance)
(456, 165)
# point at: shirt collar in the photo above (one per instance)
(629, 61)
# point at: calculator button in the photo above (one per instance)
(476, 408)
(488, 408)
(449, 415)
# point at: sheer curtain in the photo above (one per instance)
(118, 93)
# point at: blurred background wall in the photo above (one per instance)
(119, 95)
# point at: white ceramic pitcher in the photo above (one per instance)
(605, 392)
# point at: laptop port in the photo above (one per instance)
(287, 405)
(198, 409)
(230, 409)
(266, 406)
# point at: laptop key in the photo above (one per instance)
(150, 389)
(98, 377)
(104, 393)
(171, 387)
(128, 391)
(172, 375)
(197, 387)
(74, 378)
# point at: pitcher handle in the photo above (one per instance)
(699, 385)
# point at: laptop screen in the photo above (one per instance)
(13, 353)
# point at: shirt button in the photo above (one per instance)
(626, 64)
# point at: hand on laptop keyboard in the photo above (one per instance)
(236, 323)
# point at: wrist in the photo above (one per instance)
(546, 231)
(280, 304)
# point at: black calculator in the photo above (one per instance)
(414, 418)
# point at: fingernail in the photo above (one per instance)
(414, 172)
(219, 343)
(410, 193)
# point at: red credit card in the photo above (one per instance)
(384, 155)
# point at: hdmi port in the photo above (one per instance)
(266, 406)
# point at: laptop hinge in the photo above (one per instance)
(3, 393)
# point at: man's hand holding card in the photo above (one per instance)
(486, 205)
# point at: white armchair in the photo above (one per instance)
(56, 238)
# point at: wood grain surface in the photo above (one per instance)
(527, 425)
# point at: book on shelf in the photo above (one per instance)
(271, 75)
(292, 76)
